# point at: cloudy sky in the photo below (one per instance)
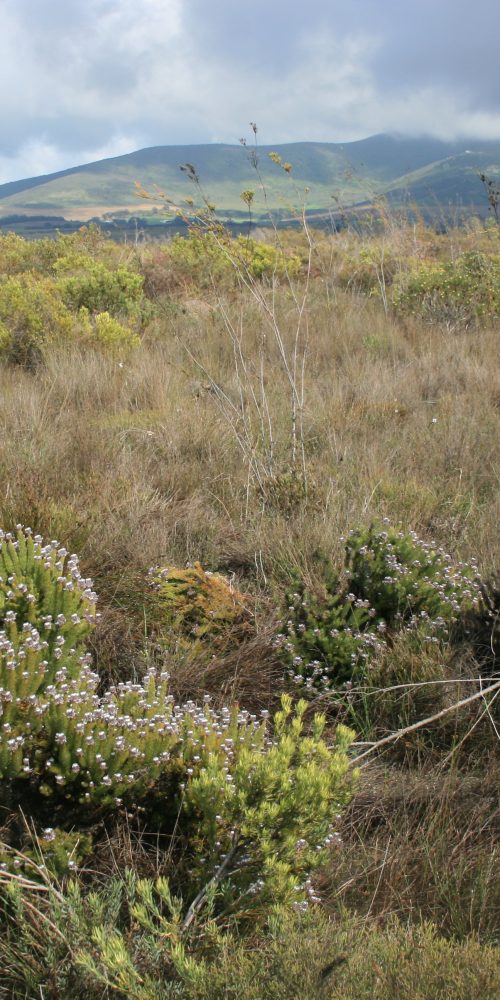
(85, 79)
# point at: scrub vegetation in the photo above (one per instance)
(249, 653)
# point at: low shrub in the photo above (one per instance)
(461, 292)
(256, 805)
(32, 315)
(105, 332)
(391, 581)
(208, 255)
(99, 289)
(125, 938)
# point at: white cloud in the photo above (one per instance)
(82, 79)
(38, 157)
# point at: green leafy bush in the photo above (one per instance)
(32, 314)
(98, 289)
(461, 292)
(391, 581)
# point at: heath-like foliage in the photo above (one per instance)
(210, 253)
(392, 580)
(46, 606)
(462, 291)
(103, 290)
(250, 804)
(32, 314)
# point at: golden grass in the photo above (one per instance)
(164, 460)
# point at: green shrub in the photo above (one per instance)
(208, 255)
(392, 581)
(98, 289)
(18, 255)
(462, 292)
(328, 637)
(219, 781)
(32, 314)
(107, 333)
(124, 938)
(46, 607)
(406, 579)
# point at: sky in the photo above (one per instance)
(81, 80)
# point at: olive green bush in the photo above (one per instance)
(100, 289)
(125, 938)
(210, 254)
(61, 291)
(32, 315)
(461, 292)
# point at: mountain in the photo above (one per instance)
(324, 176)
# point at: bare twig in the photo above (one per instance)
(394, 737)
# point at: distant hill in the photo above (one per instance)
(423, 171)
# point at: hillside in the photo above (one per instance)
(424, 170)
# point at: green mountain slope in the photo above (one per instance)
(421, 170)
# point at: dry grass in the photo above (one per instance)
(139, 464)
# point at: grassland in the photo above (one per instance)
(259, 421)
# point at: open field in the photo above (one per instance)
(245, 406)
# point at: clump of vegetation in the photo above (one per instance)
(127, 937)
(193, 604)
(63, 291)
(209, 254)
(463, 292)
(46, 612)
(98, 289)
(32, 314)
(391, 581)
(219, 782)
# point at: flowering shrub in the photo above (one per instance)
(392, 580)
(46, 611)
(260, 805)
(254, 803)
(328, 637)
(461, 291)
(407, 580)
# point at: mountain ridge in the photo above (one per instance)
(346, 173)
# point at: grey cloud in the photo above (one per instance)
(74, 74)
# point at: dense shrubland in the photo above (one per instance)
(276, 458)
